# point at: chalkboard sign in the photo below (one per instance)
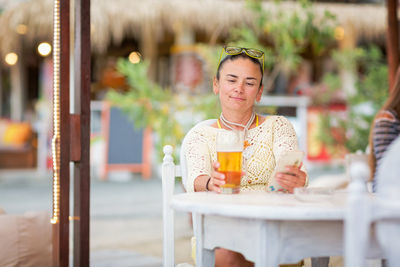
(126, 147)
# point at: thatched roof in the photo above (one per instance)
(7, 4)
(114, 20)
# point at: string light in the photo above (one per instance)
(134, 57)
(11, 59)
(21, 29)
(44, 49)
(55, 144)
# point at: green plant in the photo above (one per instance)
(286, 37)
(170, 115)
(362, 105)
(372, 91)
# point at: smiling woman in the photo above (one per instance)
(238, 87)
(238, 84)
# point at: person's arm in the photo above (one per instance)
(202, 183)
(285, 139)
(210, 182)
(198, 161)
(383, 134)
(292, 178)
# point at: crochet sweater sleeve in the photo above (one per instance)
(199, 158)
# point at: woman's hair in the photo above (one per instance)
(392, 103)
(234, 57)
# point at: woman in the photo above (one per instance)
(238, 83)
(385, 128)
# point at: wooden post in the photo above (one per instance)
(65, 132)
(18, 87)
(148, 47)
(1, 91)
(61, 181)
(82, 110)
(71, 127)
(392, 42)
(348, 73)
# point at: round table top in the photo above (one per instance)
(264, 205)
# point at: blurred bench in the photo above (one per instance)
(18, 147)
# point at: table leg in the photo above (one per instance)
(204, 257)
(268, 248)
(208, 258)
(356, 230)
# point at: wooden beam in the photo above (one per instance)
(82, 107)
(18, 87)
(392, 42)
(1, 92)
(148, 48)
(62, 186)
(75, 135)
(65, 132)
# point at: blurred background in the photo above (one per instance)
(151, 81)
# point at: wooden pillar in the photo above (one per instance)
(186, 71)
(81, 128)
(71, 141)
(61, 139)
(18, 88)
(148, 48)
(392, 42)
(348, 72)
(1, 92)
(71, 133)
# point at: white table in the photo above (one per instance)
(267, 228)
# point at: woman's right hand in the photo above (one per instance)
(217, 178)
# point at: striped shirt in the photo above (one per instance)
(386, 129)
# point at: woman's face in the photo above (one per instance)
(239, 84)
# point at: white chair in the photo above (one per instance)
(383, 211)
(338, 182)
(168, 174)
(354, 158)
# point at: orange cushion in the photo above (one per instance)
(17, 134)
(3, 127)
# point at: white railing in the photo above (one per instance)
(300, 103)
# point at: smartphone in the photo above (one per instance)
(288, 158)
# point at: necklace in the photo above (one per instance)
(228, 124)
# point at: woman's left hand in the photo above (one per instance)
(292, 177)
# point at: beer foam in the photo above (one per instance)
(230, 141)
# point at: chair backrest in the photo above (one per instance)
(383, 210)
(168, 174)
(355, 158)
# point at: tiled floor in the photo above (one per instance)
(122, 258)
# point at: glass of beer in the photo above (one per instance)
(229, 154)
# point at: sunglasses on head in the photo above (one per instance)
(251, 52)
